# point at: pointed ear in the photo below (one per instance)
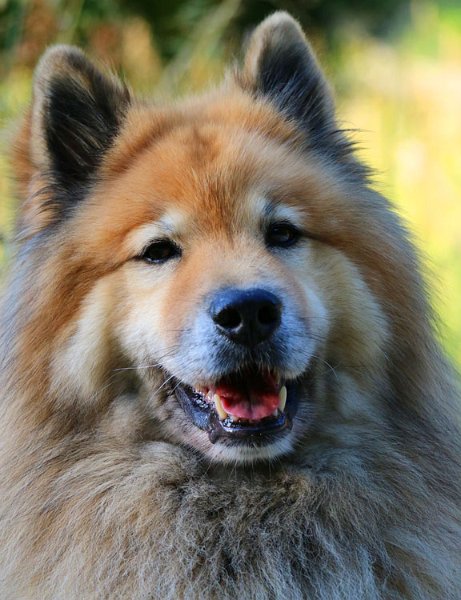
(280, 66)
(76, 114)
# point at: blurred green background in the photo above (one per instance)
(395, 64)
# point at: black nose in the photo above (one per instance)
(246, 316)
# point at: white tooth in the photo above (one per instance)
(282, 398)
(219, 407)
(276, 412)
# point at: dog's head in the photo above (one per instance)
(226, 250)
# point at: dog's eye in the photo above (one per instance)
(282, 235)
(160, 251)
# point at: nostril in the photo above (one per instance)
(248, 316)
(229, 318)
(268, 314)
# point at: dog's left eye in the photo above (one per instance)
(282, 235)
(160, 251)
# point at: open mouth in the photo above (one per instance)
(252, 405)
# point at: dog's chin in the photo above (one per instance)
(243, 417)
(248, 454)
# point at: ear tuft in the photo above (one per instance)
(77, 111)
(280, 65)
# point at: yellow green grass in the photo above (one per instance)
(403, 95)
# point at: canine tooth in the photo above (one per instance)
(219, 407)
(282, 398)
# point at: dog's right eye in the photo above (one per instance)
(160, 251)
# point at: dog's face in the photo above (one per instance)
(210, 239)
(220, 289)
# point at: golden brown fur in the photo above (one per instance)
(107, 491)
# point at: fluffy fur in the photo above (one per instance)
(107, 489)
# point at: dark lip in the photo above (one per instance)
(258, 433)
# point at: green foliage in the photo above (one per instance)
(11, 20)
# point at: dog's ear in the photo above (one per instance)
(76, 114)
(280, 66)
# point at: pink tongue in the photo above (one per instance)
(253, 404)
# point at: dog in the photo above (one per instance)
(219, 369)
